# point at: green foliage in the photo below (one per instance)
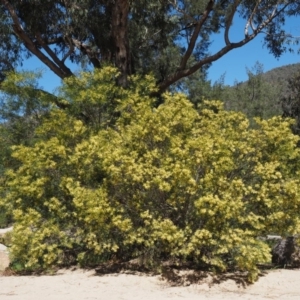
(21, 94)
(282, 75)
(3, 218)
(93, 96)
(198, 88)
(22, 107)
(157, 36)
(5, 239)
(257, 97)
(290, 102)
(162, 182)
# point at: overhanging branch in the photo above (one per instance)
(30, 45)
(229, 21)
(181, 73)
(50, 52)
(195, 35)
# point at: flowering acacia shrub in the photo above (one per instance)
(163, 182)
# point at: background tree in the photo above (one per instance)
(23, 107)
(198, 90)
(291, 101)
(168, 37)
(256, 97)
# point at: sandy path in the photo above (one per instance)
(85, 285)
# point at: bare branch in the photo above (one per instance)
(229, 21)
(195, 35)
(183, 73)
(249, 22)
(30, 45)
(274, 13)
(52, 54)
(227, 48)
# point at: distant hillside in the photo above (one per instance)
(281, 75)
(261, 95)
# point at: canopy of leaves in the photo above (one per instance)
(167, 37)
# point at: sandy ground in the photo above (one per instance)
(84, 285)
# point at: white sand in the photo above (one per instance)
(86, 285)
(3, 247)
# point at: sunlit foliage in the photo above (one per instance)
(162, 182)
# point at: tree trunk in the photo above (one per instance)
(119, 31)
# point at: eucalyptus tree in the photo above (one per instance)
(169, 38)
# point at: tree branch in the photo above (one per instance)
(195, 35)
(228, 47)
(249, 22)
(229, 21)
(59, 63)
(29, 44)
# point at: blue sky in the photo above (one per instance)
(233, 63)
